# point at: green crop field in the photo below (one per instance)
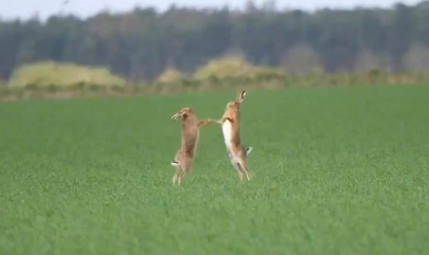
(336, 171)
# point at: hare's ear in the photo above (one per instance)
(177, 116)
(241, 95)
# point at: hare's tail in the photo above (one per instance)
(175, 163)
(249, 150)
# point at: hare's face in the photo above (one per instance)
(233, 105)
(183, 114)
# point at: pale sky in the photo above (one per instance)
(11, 9)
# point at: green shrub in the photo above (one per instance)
(228, 67)
(237, 68)
(170, 75)
(62, 75)
(267, 73)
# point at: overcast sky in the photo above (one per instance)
(10, 9)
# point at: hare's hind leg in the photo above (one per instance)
(237, 167)
(181, 176)
(186, 168)
(177, 175)
(243, 165)
(179, 172)
(178, 167)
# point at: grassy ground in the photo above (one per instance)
(336, 171)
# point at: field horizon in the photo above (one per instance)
(340, 170)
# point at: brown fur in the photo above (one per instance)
(236, 152)
(190, 135)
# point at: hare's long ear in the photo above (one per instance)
(177, 116)
(241, 95)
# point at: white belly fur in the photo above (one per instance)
(227, 133)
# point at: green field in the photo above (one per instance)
(336, 171)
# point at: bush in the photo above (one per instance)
(228, 67)
(63, 75)
(170, 75)
(235, 68)
(268, 74)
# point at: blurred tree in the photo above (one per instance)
(417, 58)
(302, 59)
(368, 60)
(401, 34)
(142, 43)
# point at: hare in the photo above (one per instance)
(230, 123)
(190, 135)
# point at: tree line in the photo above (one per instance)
(142, 43)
